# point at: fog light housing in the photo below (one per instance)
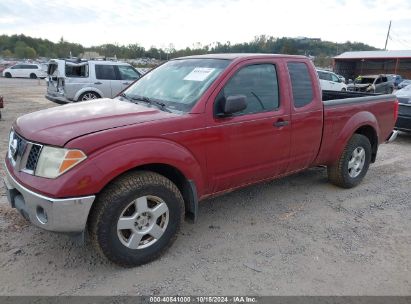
(41, 215)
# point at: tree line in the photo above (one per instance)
(21, 46)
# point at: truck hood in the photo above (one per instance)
(58, 125)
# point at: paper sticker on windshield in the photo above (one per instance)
(199, 74)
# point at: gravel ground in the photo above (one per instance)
(294, 236)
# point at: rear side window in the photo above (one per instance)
(301, 83)
(76, 71)
(105, 72)
(31, 67)
(258, 83)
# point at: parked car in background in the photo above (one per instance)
(1, 104)
(25, 70)
(69, 81)
(404, 83)
(330, 81)
(341, 77)
(404, 112)
(372, 84)
(395, 79)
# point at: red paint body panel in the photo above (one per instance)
(217, 154)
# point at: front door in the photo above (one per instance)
(251, 145)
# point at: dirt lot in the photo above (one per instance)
(299, 235)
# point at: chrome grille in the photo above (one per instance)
(33, 157)
(23, 154)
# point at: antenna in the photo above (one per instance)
(388, 34)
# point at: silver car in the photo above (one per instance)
(71, 81)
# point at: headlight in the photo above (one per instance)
(371, 88)
(55, 161)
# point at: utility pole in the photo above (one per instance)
(388, 34)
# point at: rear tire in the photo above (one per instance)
(136, 218)
(353, 164)
(88, 96)
(7, 75)
(33, 76)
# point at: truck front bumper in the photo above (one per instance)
(54, 214)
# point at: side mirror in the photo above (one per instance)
(232, 104)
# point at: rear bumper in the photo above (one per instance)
(57, 98)
(60, 215)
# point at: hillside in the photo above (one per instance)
(21, 46)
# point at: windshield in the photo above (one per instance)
(364, 80)
(178, 83)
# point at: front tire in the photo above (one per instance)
(136, 218)
(33, 76)
(7, 75)
(353, 164)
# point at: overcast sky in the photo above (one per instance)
(186, 22)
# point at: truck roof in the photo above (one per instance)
(233, 56)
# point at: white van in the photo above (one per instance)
(25, 70)
(329, 81)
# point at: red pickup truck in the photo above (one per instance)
(129, 169)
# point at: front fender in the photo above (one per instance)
(355, 122)
(114, 160)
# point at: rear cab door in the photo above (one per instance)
(253, 144)
(306, 113)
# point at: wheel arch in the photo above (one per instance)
(187, 187)
(369, 132)
(364, 123)
(88, 89)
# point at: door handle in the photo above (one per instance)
(126, 83)
(280, 123)
(98, 82)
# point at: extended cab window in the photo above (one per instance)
(105, 72)
(258, 83)
(301, 83)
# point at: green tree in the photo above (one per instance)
(30, 53)
(6, 53)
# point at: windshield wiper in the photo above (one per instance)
(160, 104)
(124, 96)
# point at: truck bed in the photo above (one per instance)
(345, 111)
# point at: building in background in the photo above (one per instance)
(352, 64)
